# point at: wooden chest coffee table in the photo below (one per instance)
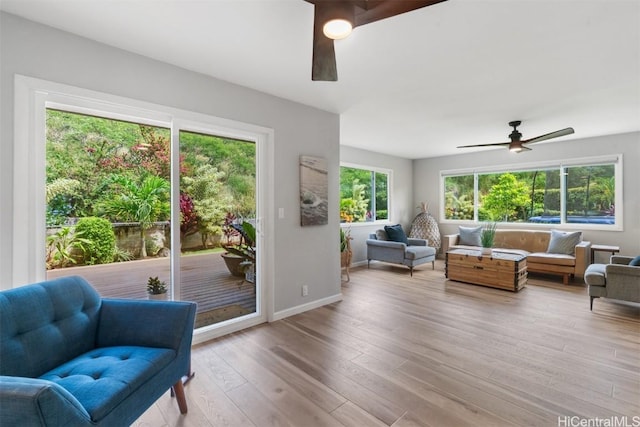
(498, 270)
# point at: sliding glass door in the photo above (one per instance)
(217, 226)
(109, 204)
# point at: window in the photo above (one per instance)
(364, 194)
(585, 192)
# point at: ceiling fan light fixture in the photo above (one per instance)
(516, 149)
(337, 29)
(339, 19)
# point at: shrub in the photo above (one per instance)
(121, 255)
(101, 238)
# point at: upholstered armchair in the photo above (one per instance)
(71, 358)
(617, 280)
(413, 253)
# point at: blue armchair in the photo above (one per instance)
(411, 254)
(70, 358)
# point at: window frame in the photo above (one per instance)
(615, 159)
(375, 169)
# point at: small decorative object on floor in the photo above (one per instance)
(424, 226)
(487, 237)
(156, 288)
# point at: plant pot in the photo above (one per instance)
(233, 264)
(487, 251)
(158, 297)
(249, 269)
(345, 259)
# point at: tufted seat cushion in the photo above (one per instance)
(102, 378)
(417, 252)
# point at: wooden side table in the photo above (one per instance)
(603, 248)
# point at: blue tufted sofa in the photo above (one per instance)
(70, 358)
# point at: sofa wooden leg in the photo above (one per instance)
(433, 265)
(565, 279)
(178, 389)
(411, 271)
(591, 303)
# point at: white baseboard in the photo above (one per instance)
(305, 307)
(359, 263)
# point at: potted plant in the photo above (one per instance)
(241, 256)
(487, 237)
(156, 288)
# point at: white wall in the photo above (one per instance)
(306, 255)
(402, 206)
(426, 178)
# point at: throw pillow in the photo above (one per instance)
(564, 242)
(396, 233)
(381, 235)
(470, 236)
(635, 262)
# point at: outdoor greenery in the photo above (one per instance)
(62, 247)
(363, 195)
(519, 196)
(121, 172)
(246, 246)
(354, 208)
(99, 240)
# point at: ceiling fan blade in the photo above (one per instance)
(556, 134)
(324, 55)
(484, 145)
(368, 11)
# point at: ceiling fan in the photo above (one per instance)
(516, 144)
(334, 19)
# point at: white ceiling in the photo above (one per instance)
(415, 85)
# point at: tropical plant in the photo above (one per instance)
(228, 230)
(121, 255)
(144, 203)
(188, 216)
(488, 235)
(155, 286)
(61, 247)
(354, 208)
(246, 248)
(101, 240)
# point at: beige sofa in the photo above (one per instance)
(533, 244)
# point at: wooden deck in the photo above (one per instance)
(205, 280)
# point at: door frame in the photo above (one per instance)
(32, 98)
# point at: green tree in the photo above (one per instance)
(210, 200)
(506, 198)
(144, 203)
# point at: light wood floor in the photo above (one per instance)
(422, 351)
